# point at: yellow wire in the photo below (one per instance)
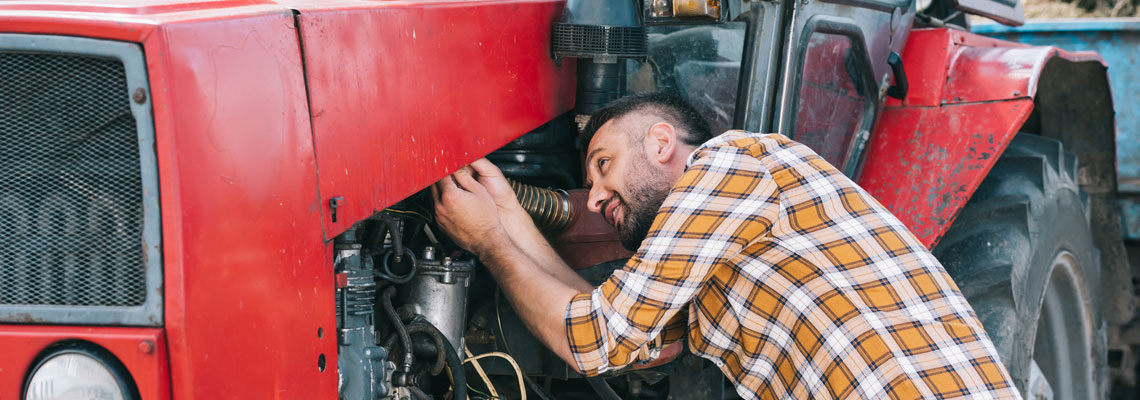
(406, 212)
(505, 356)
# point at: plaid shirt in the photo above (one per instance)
(794, 281)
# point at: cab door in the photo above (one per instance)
(838, 63)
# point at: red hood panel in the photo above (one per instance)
(404, 94)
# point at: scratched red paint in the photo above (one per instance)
(968, 97)
(403, 95)
(248, 274)
(251, 280)
(411, 90)
(248, 277)
(925, 174)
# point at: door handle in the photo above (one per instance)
(899, 89)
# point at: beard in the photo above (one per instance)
(646, 192)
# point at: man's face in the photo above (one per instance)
(626, 187)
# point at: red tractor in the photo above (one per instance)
(223, 199)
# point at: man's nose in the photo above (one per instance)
(597, 198)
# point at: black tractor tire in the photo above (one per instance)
(1021, 251)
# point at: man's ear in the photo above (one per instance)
(662, 142)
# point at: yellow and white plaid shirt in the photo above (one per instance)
(794, 281)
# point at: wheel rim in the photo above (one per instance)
(1063, 347)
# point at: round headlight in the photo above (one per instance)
(75, 374)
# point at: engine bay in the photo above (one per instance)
(418, 317)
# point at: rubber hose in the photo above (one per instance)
(551, 210)
(458, 378)
(394, 230)
(440, 358)
(386, 299)
(385, 270)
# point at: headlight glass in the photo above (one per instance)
(73, 376)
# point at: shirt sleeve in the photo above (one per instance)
(721, 203)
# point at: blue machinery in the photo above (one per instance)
(1118, 42)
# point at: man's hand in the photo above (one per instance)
(496, 184)
(511, 213)
(478, 209)
(466, 210)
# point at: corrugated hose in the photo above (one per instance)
(550, 209)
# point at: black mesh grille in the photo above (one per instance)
(592, 40)
(70, 183)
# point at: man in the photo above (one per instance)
(778, 268)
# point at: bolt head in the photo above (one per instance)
(146, 346)
(139, 96)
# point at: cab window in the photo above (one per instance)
(700, 63)
(831, 106)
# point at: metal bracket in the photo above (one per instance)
(334, 203)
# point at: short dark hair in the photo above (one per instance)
(669, 107)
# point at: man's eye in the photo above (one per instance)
(602, 163)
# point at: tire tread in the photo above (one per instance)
(988, 249)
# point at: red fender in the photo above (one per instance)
(969, 95)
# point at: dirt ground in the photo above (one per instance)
(1044, 9)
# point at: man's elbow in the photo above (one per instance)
(568, 357)
(561, 347)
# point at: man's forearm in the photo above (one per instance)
(530, 241)
(539, 298)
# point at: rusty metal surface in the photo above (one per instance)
(589, 240)
(141, 350)
(404, 93)
(969, 95)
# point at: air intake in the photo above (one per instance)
(599, 33)
(78, 184)
(591, 41)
